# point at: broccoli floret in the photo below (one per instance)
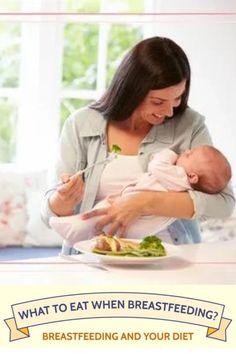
(153, 245)
(150, 242)
(116, 149)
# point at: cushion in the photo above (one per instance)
(215, 230)
(13, 216)
(37, 233)
(21, 193)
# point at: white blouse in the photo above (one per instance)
(121, 171)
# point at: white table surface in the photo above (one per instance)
(204, 263)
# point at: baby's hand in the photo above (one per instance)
(67, 195)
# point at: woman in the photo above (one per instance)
(143, 111)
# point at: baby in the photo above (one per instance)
(203, 168)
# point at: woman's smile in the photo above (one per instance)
(157, 115)
(159, 105)
(158, 118)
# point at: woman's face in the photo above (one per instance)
(159, 105)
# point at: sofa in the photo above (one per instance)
(24, 235)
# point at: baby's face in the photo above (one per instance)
(193, 160)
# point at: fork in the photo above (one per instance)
(108, 159)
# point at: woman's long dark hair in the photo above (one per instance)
(154, 63)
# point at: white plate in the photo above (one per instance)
(86, 248)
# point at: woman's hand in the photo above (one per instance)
(67, 196)
(120, 214)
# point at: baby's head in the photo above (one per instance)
(207, 168)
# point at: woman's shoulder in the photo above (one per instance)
(190, 116)
(85, 114)
(87, 121)
(189, 129)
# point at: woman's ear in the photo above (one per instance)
(193, 177)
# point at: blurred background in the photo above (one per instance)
(54, 63)
(59, 55)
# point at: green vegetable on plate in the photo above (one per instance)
(150, 246)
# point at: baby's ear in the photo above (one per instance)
(193, 177)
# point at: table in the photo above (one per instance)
(204, 263)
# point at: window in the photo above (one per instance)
(93, 50)
(9, 82)
(56, 65)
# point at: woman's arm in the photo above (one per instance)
(183, 205)
(62, 201)
(180, 205)
(220, 205)
(122, 213)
